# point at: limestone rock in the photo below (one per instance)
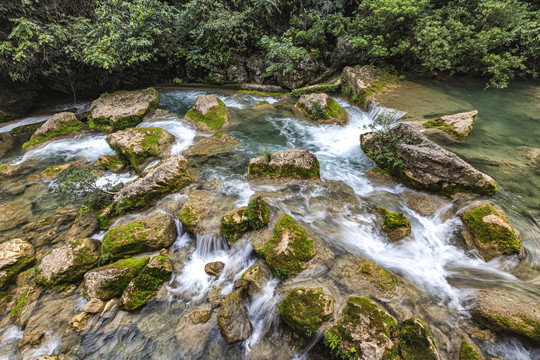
(254, 279)
(60, 124)
(121, 109)
(202, 213)
(508, 312)
(145, 285)
(15, 256)
(109, 281)
(487, 229)
(139, 146)
(359, 83)
(94, 306)
(427, 166)
(457, 126)
(364, 330)
(169, 176)
(232, 318)
(214, 268)
(208, 113)
(148, 234)
(322, 108)
(68, 263)
(216, 145)
(234, 224)
(416, 342)
(287, 164)
(395, 225)
(305, 310)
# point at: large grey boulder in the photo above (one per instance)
(140, 146)
(121, 109)
(286, 164)
(58, 125)
(232, 318)
(322, 108)
(208, 113)
(68, 263)
(15, 256)
(424, 164)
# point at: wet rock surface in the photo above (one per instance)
(202, 212)
(395, 225)
(232, 318)
(287, 164)
(213, 146)
(416, 341)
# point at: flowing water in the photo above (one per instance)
(434, 261)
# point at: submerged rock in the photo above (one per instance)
(508, 312)
(395, 225)
(216, 145)
(202, 211)
(139, 146)
(487, 229)
(364, 331)
(169, 176)
(322, 108)
(15, 256)
(208, 113)
(457, 126)
(305, 310)
(287, 164)
(359, 83)
(145, 285)
(68, 263)
(149, 234)
(121, 109)
(109, 281)
(60, 124)
(232, 318)
(289, 249)
(425, 165)
(194, 330)
(416, 341)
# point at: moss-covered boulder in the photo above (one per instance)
(287, 164)
(112, 163)
(140, 146)
(381, 278)
(145, 285)
(289, 249)
(121, 109)
(416, 341)
(254, 279)
(208, 113)
(404, 152)
(395, 225)
(322, 108)
(508, 312)
(360, 83)
(109, 281)
(203, 211)
(234, 224)
(457, 126)
(486, 228)
(58, 125)
(15, 256)
(169, 176)
(467, 352)
(364, 331)
(214, 146)
(305, 310)
(149, 234)
(232, 319)
(262, 105)
(258, 213)
(68, 263)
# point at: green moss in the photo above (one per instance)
(139, 152)
(503, 237)
(214, 119)
(377, 87)
(378, 276)
(127, 239)
(264, 93)
(53, 171)
(326, 88)
(26, 128)
(129, 267)
(304, 311)
(111, 163)
(288, 263)
(3, 168)
(260, 103)
(188, 219)
(218, 135)
(232, 230)
(265, 170)
(531, 330)
(416, 341)
(11, 271)
(467, 352)
(438, 123)
(62, 129)
(393, 220)
(258, 213)
(21, 303)
(316, 112)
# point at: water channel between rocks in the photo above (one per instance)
(339, 211)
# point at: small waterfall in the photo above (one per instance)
(374, 110)
(26, 121)
(262, 313)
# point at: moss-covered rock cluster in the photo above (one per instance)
(253, 217)
(288, 164)
(289, 249)
(322, 108)
(305, 310)
(58, 125)
(395, 225)
(208, 113)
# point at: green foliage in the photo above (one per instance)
(383, 152)
(79, 186)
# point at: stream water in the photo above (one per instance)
(435, 260)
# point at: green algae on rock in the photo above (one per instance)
(60, 124)
(146, 284)
(359, 83)
(112, 163)
(305, 310)
(149, 234)
(234, 224)
(139, 146)
(364, 331)
(395, 225)
(381, 278)
(208, 113)
(121, 109)
(457, 126)
(109, 281)
(288, 164)
(487, 229)
(467, 352)
(15, 256)
(416, 341)
(289, 249)
(322, 108)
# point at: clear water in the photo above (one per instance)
(434, 261)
